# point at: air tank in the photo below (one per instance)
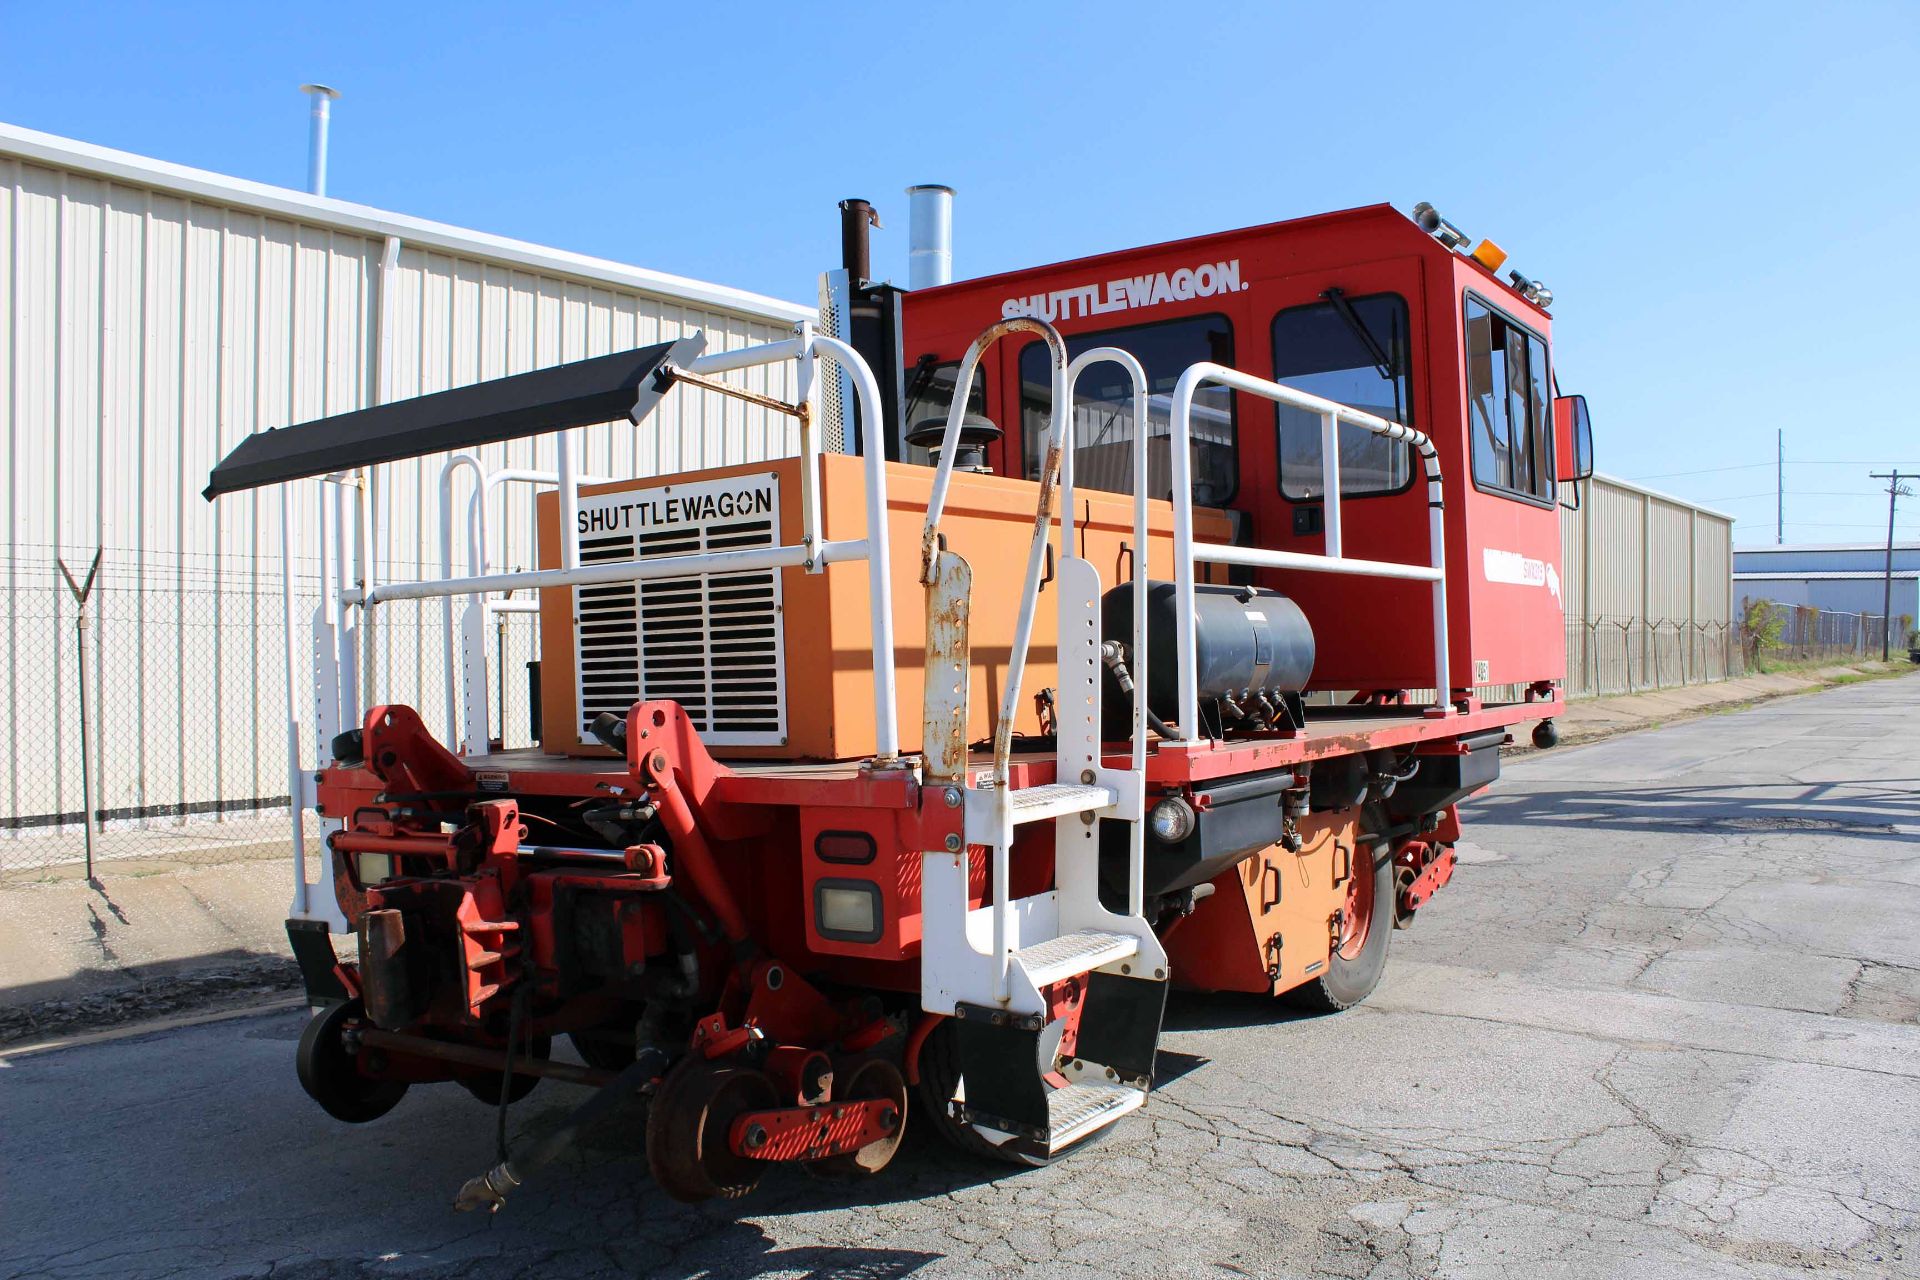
(1251, 644)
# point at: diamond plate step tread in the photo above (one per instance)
(1079, 1109)
(1074, 953)
(1057, 799)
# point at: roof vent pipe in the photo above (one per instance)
(929, 236)
(322, 98)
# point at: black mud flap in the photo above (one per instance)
(1120, 1025)
(313, 951)
(1000, 1062)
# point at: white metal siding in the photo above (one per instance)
(143, 333)
(1646, 554)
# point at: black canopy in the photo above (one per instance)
(602, 389)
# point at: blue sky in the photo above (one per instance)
(1725, 199)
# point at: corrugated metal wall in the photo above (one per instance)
(1649, 597)
(142, 334)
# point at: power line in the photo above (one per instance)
(1749, 466)
(1798, 493)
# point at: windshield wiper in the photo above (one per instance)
(1382, 363)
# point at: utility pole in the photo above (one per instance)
(1895, 492)
(1780, 487)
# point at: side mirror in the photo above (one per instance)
(1572, 439)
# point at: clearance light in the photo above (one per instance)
(1489, 255)
(847, 910)
(375, 868)
(844, 846)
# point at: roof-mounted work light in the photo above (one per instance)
(1532, 290)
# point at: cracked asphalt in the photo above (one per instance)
(1663, 1024)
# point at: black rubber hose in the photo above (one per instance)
(490, 1189)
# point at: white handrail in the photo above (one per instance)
(814, 553)
(1187, 552)
(479, 545)
(957, 412)
(879, 542)
(1136, 840)
(447, 471)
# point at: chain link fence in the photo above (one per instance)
(1608, 655)
(1614, 655)
(184, 717)
(1807, 633)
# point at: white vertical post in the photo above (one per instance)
(1181, 461)
(812, 529)
(879, 558)
(1437, 538)
(475, 734)
(296, 776)
(1330, 480)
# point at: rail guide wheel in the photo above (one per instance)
(331, 1075)
(874, 1079)
(688, 1125)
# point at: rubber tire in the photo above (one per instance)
(486, 1087)
(332, 1078)
(940, 1080)
(1345, 983)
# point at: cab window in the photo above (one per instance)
(1509, 408)
(1103, 426)
(1356, 352)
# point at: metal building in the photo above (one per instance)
(1835, 577)
(151, 316)
(1647, 579)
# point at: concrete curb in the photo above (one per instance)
(1590, 719)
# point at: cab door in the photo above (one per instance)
(1353, 334)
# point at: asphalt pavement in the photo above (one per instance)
(1664, 1023)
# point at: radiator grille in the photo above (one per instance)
(711, 642)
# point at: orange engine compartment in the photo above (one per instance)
(824, 704)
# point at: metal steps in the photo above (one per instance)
(1077, 1110)
(1058, 799)
(1072, 954)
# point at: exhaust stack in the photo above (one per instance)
(929, 236)
(857, 217)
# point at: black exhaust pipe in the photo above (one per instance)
(856, 218)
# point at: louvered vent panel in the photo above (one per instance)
(711, 642)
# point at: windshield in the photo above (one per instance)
(1356, 354)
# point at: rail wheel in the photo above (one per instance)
(486, 1085)
(873, 1079)
(941, 1082)
(331, 1076)
(687, 1129)
(1359, 954)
